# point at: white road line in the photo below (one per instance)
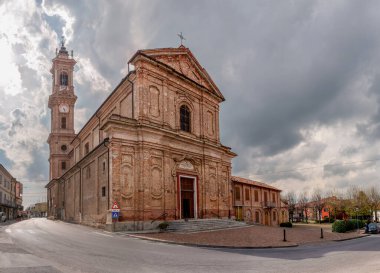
(19, 230)
(102, 234)
(31, 231)
(8, 230)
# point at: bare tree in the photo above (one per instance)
(303, 204)
(318, 202)
(290, 199)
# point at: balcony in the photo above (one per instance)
(268, 205)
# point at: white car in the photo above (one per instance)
(3, 218)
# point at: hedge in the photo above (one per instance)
(286, 224)
(342, 226)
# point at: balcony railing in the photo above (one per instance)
(268, 204)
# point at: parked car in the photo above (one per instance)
(3, 218)
(373, 228)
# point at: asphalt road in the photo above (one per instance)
(40, 245)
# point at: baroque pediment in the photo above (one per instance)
(183, 61)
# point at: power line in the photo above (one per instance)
(319, 166)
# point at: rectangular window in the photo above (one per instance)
(103, 191)
(63, 165)
(63, 123)
(256, 196)
(274, 216)
(246, 194)
(237, 193)
(273, 197)
(104, 166)
(265, 197)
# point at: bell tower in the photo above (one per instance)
(61, 104)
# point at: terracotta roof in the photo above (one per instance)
(252, 182)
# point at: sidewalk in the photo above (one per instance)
(253, 237)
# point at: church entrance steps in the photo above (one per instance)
(194, 225)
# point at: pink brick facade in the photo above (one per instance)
(134, 151)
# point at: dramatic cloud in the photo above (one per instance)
(301, 79)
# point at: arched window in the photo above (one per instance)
(185, 118)
(64, 79)
(63, 123)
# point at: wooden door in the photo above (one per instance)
(187, 197)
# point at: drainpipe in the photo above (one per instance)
(106, 141)
(80, 195)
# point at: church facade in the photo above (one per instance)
(153, 146)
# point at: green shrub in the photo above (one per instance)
(342, 226)
(286, 224)
(339, 226)
(163, 225)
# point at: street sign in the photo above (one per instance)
(115, 215)
(115, 205)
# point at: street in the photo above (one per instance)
(40, 245)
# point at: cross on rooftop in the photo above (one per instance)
(180, 35)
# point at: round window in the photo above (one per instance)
(63, 147)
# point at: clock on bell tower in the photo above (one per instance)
(61, 103)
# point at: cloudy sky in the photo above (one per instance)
(301, 80)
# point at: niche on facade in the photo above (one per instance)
(224, 185)
(154, 101)
(127, 179)
(212, 185)
(156, 179)
(210, 123)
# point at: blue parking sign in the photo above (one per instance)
(115, 214)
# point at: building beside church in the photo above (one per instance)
(10, 194)
(153, 146)
(258, 203)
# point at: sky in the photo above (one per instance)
(301, 80)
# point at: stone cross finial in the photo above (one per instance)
(63, 41)
(180, 35)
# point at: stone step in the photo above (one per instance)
(203, 224)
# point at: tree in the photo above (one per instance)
(291, 200)
(318, 202)
(303, 204)
(373, 196)
(358, 204)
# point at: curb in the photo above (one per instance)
(352, 238)
(206, 246)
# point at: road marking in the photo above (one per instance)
(8, 230)
(19, 230)
(31, 231)
(102, 234)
